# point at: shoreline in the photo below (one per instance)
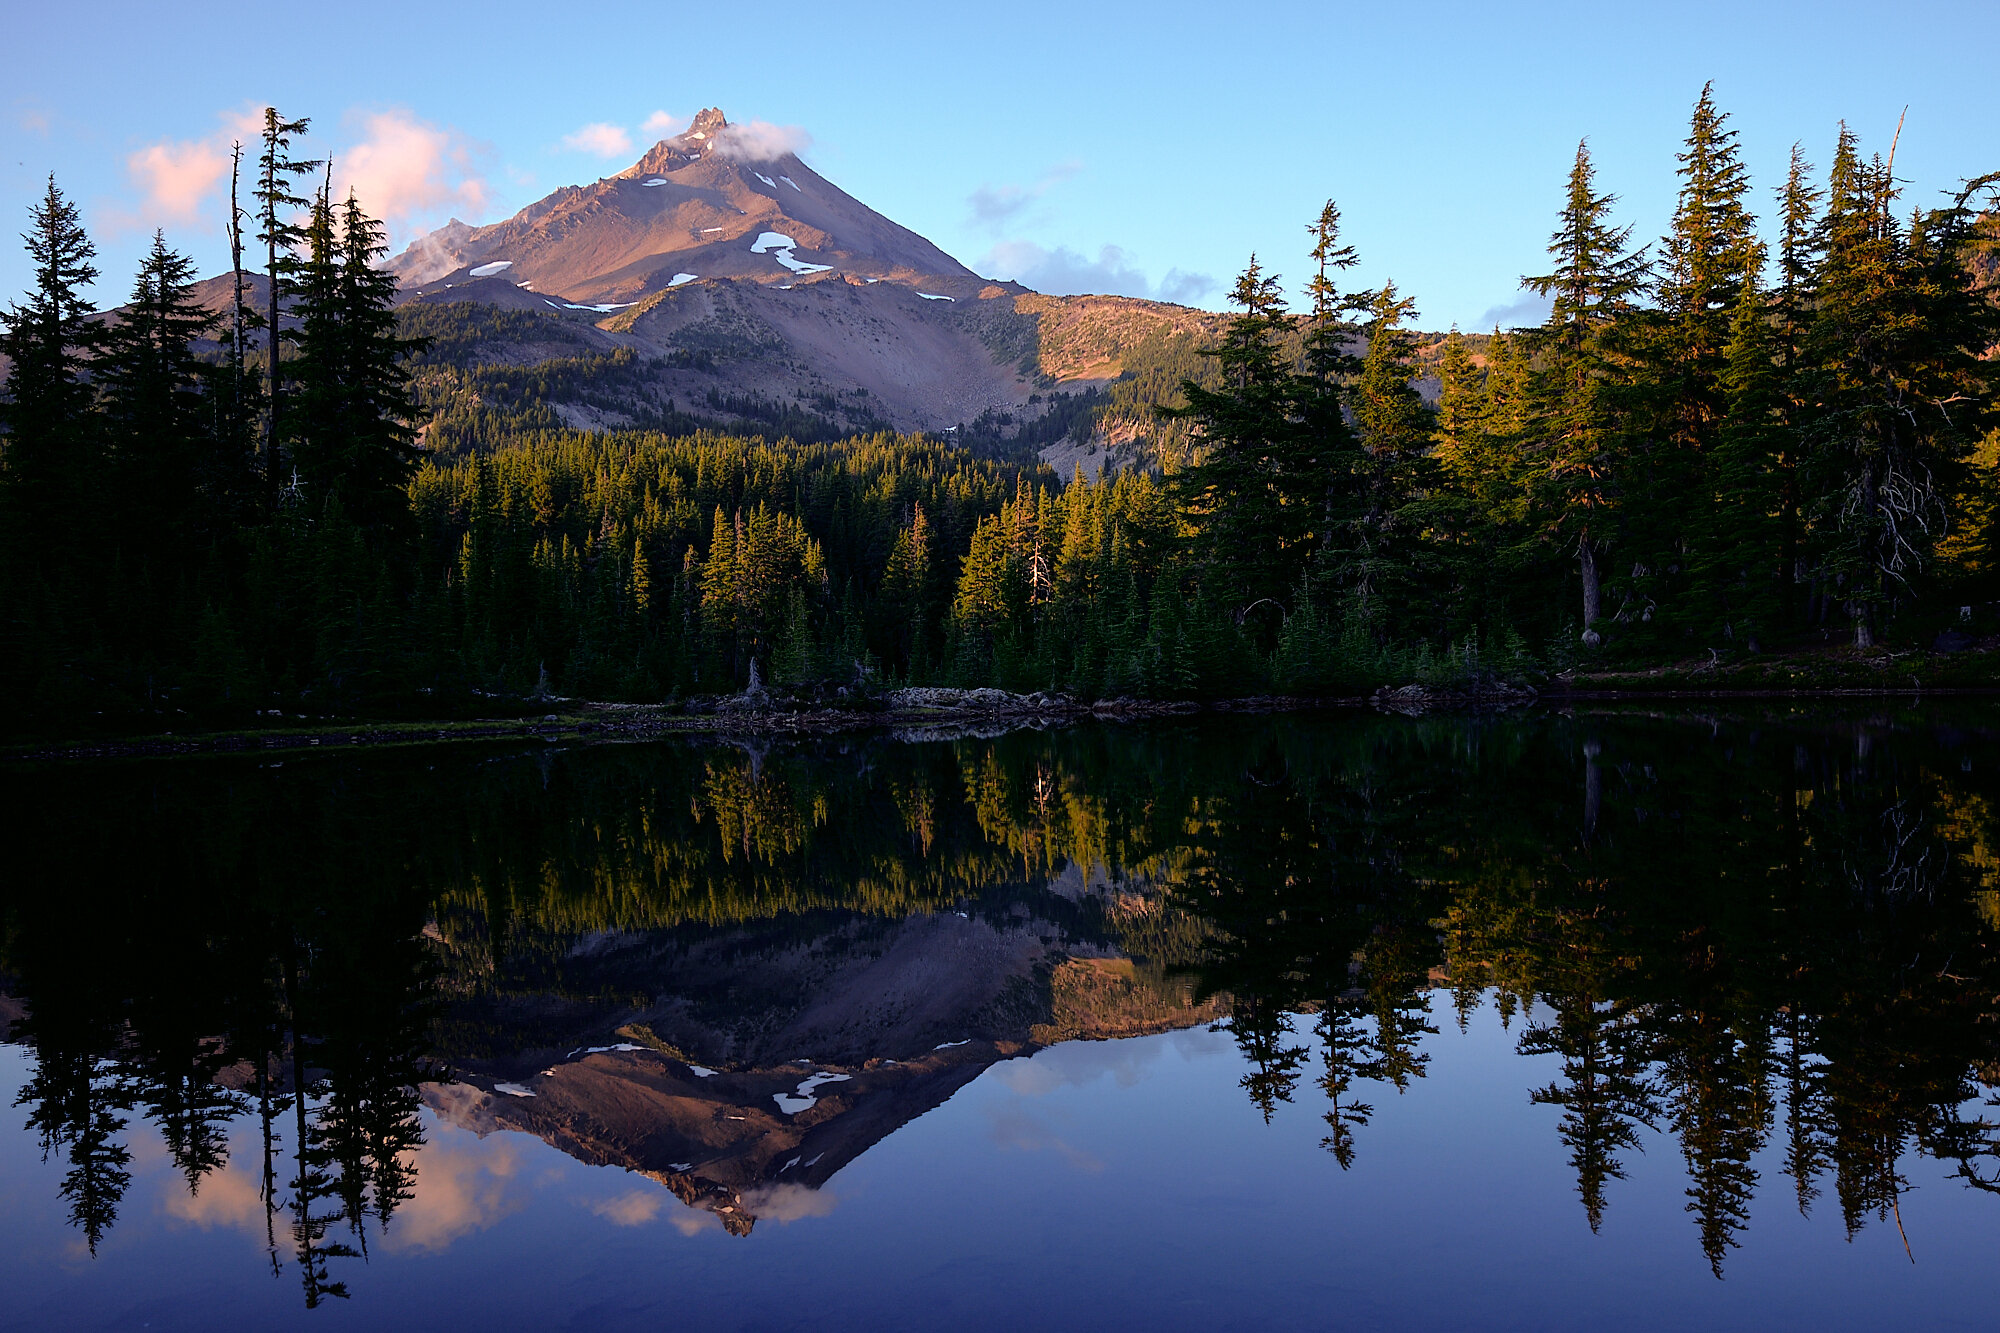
(639, 722)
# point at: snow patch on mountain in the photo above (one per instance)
(488, 270)
(794, 1102)
(780, 246)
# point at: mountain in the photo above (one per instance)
(703, 204)
(747, 288)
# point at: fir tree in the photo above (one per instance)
(1395, 428)
(160, 412)
(351, 421)
(50, 341)
(278, 177)
(1894, 374)
(1255, 527)
(1741, 561)
(1577, 419)
(1705, 261)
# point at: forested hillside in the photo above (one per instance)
(1719, 446)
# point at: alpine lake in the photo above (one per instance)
(1678, 1015)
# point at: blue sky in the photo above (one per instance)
(1141, 148)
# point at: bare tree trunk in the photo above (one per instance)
(1593, 601)
(271, 313)
(236, 308)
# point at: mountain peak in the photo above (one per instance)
(708, 121)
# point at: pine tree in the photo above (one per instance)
(1577, 418)
(1394, 427)
(1254, 532)
(1330, 458)
(1740, 560)
(160, 412)
(50, 342)
(350, 419)
(278, 174)
(1706, 259)
(1894, 373)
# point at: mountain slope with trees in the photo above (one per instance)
(1706, 451)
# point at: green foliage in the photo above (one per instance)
(1716, 468)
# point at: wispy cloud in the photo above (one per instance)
(1062, 271)
(633, 1208)
(761, 141)
(995, 205)
(662, 125)
(602, 139)
(1523, 310)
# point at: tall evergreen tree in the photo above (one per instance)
(52, 448)
(1395, 430)
(1578, 418)
(161, 410)
(1896, 381)
(351, 421)
(1739, 566)
(1330, 455)
(278, 177)
(1255, 526)
(1705, 260)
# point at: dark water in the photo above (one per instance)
(1607, 1020)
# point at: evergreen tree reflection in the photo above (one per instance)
(1723, 935)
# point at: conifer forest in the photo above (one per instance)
(1720, 445)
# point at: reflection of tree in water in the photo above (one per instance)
(1605, 1087)
(174, 981)
(1736, 935)
(1710, 934)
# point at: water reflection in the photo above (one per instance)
(735, 970)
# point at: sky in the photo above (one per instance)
(1145, 149)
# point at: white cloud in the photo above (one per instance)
(761, 141)
(1523, 310)
(406, 171)
(631, 1209)
(1184, 288)
(993, 205)
(787, 1203)
(662, 125)
(602, 139)
(175, 180)
(1065, 272)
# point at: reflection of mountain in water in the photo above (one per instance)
(774, 1053)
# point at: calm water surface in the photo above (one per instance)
(1627, 1019)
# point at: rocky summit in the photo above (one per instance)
(747, 287)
